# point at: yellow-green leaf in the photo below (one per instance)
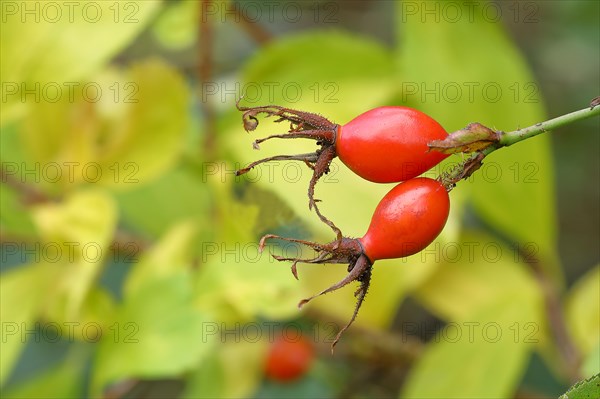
(81, 229)
(88, 216)
(177, 26)
(132, 133)
(61, 43)
(23, 293)
(343, 76)
(62, 381)
(235, 278)
(233, 370)
(480, 356)
(156, 333)
(583, 311)
(476, 271)
(467, 70)
(171, 255)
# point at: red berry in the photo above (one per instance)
(288, 360)
(389, 144)
(407, 219)
(383, 145)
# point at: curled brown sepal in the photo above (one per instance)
(299, 120)
(349, 251)
(474, 137)
(302, 125)
(595, 102)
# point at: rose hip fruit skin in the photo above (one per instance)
(288, 360)
(407, 219)
(389, 144)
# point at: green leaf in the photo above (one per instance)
(62, 44)
(177, 26)
(494, 310)
(467, 71)
(23, 292)
(338, 68)
(233, 370)
(64, 381)
(588, 389)
(235, 279)
(178, 195)
(481, 356)
(591, 364)
(156, 333)
(170, 256)
(14, 217)
(582, 310)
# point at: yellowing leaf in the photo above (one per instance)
(148, 140)
(476, 271)
(62, 43)
(157, 331)
(131, 134)
(495, 314)
(81, 228)
(85, 217)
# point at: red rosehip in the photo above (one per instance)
(383, 145)
(407, 219)
(389, 144)
(288, 360)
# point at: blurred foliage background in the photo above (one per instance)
(130, 265)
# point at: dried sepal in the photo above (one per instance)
(474, 137)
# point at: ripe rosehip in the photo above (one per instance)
(288, 360)
(389, 144)
(407, 219)
(383, 145)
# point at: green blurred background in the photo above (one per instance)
(130, 265)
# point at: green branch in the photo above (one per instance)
(482, 141)
(513, 137)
